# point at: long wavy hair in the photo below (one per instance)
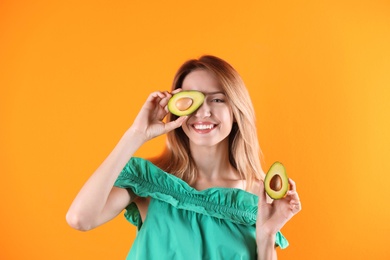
(244, 150)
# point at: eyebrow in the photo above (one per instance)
(214, 93)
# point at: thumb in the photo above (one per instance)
(263, 196)
(175, 124)
(261, 193)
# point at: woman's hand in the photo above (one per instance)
(271, 217)
(149, 121)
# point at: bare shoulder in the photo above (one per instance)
(255, 188)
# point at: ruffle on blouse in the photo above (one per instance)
(147, 180)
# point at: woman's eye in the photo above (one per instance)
(217, 100)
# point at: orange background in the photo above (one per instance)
(73, 75)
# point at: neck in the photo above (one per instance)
(213, 162)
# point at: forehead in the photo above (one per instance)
(203, 81)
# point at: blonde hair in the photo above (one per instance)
(244, 150)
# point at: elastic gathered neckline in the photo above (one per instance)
(147, 180)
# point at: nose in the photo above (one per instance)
(203, 111)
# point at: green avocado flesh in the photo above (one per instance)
(276, 181)
(185, 102)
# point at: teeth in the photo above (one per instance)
(202, 127)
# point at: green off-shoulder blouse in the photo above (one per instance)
(184, 223)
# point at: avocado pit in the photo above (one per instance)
(276, 183)
(183, 104)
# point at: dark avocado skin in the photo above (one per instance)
(276, 169)
(197, 100)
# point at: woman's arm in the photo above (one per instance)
(98, 200)
(271, 217)
(266, 246)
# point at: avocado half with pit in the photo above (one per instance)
(276, 181)
(184, 103)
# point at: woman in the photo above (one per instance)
(203, 198)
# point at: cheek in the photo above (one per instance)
(228, 116)
(227, 120)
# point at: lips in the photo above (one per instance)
(203, 127)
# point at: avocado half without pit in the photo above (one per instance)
(276, 181)
(184, 103)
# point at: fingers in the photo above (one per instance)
(295, 206)
(263, 196)
(261, 193)
(176, 91)
(293, 186)
(160, 97)
(164, 101)
(175, 124)
(158, 100)
(295, 203)
(293, 190)
(157, 95)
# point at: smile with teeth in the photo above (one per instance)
(204, 127)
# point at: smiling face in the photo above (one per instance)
(212, 123)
